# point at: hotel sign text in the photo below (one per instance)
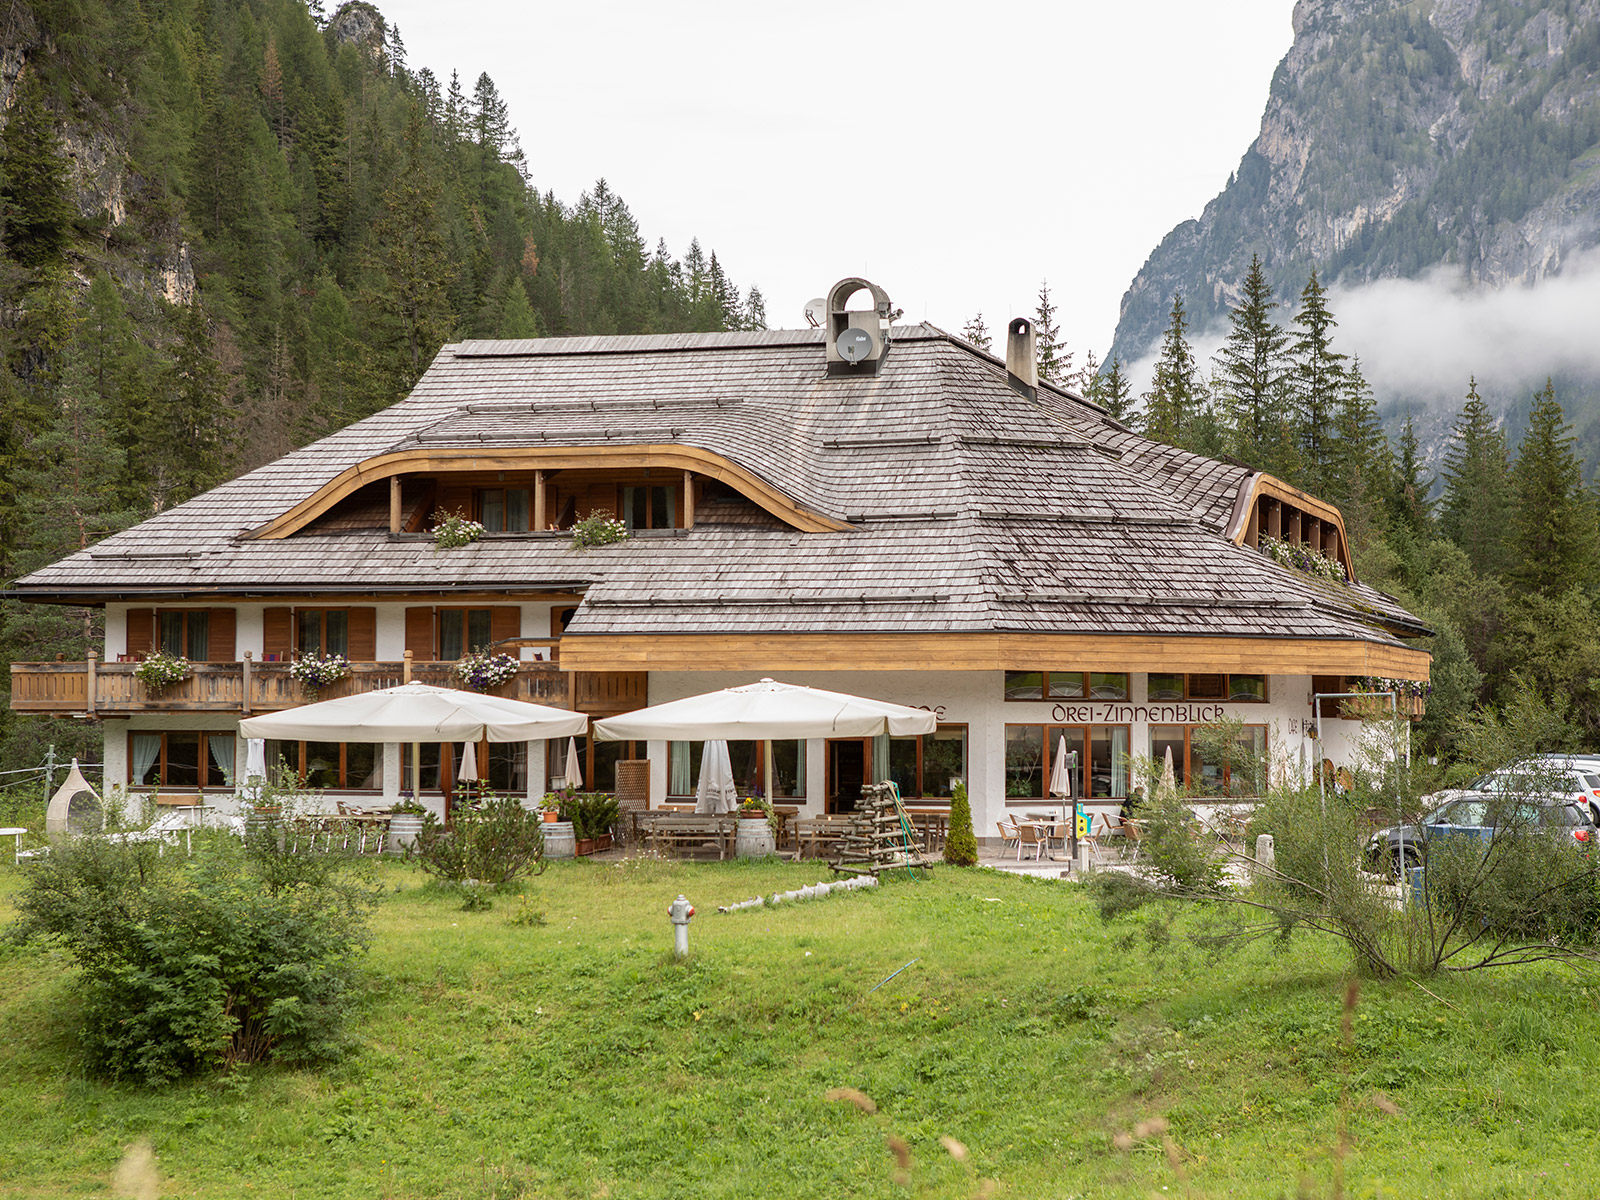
(1125, 714)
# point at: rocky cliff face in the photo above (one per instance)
(1397, 137)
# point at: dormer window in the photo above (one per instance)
(505, 510)
(650, 507)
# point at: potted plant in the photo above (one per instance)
(481, 670)
(550, 806)
(315, 673)
(161, 670)
(453, 530)
(593, 815)
(599, 528)
(405, 823)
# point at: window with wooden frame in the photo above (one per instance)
(288, 633)
(1098, 760)
(1200, 764)
(173, 758)
(198, 634)
(322, 632)
(930, 766)
(1234, 689)
(650, 506)
(504, 765)
(1066, 685)
(447, 634)
(749, 771)
(505, 509)
(597, 761)
(345, 766)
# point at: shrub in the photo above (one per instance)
(194, 963)
(960, 846)
(492, 844)
(593, 815)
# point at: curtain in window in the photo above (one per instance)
(222, 754)
(880, 758)
(1119, 760)
(146, 749)
(678, 758)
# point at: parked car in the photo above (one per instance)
(1473, 814)
(1573, 777)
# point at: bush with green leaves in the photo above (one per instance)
(491, 844)
(960, 846)
(593, 815)
(193, 963)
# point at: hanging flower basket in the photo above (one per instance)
(481, 671)
(314, 674)
(160, 671)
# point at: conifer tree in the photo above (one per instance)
(1553, 519)
(1055, 360)
(755, 309)
(1407, 498)
(1088, 374)
(1361, 459)
(1172, 405)
(1252, 375)
(1116, 393)
(976, 332)
(1318, 382)
(1476, 505)
(34, 208)
(517, 318)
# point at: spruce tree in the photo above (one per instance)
(1252, 375)
(960, 845)
(1116, 393)
(976, 332)
(1318, 382)
(1361, 459)
(755, 309)
(1476, 506)
(517, 318)
(1055, 360)
(1172, 405)
(1407, 497)
(1553, 518)
(34, 208)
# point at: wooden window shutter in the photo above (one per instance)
(141, 630)
(224, 635)
(505, 621)
(419, 633)
(277, 634)
(363, 634)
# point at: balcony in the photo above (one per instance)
(241, 688)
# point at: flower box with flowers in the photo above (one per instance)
(314, 674)
(481, 671)
(160, 671)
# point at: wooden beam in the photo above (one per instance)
(394, 504)
(1259, 510)
(538, 501)
(990, 652)
(688, 499)
(525, 458)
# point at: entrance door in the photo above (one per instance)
(848, 763)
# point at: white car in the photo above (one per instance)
(1574, 777)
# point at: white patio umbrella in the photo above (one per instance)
(716, 793)
(255, 768)
(415, 712)
(1169, 777)
(1061, 775)
(574, 774)
(766, 711)
(469, 764)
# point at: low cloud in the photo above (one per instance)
(1421, 338)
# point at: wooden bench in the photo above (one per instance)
(816, 837)
(675, 834)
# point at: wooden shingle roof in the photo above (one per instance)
(969, 506)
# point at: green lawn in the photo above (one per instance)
(575, 1058)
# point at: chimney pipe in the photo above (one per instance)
(1022, 357)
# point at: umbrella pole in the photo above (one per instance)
(416, 772)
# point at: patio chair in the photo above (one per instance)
(1029, 834)
(1134, 834)
(1008, 837)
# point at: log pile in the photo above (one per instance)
(880, 837)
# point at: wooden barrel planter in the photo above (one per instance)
(558, 840)
(403, 830)
(754, 839)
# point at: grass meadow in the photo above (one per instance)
(500, 1057)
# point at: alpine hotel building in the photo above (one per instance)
(880, 510)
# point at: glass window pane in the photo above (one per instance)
(660, 515)
(1024, 685)
(363, 766)
(745, 757)
(1024, 761)
(1249, 775)
(310, 621)
(199, 639)
(172, 634)
(1108, 761)
(903, 764)
(508, 768)
(1164, 738)
(789, 769)
(1066, 685)
(1206, 687)
(944, 761)
(146, 765)
(634, 509)
(428, 760)
(452, 634)
(1245, 688)
(322, 764)
(1108, 685)
(183, 760)
(478, 629)
(606, 755)
(1166, 687)
(683, 767)
(1076, 750)
(517, 510)
(336, 635)
(492, 503)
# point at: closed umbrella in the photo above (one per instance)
(574, 776)
(1169, 777)
(255, 767)
(716, 793)
(1061, 775)
(469, 764)
(766, 711)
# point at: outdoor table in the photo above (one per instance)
(16, 832)
(676, 832)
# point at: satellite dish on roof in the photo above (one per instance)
(816, 312)
(854, 345)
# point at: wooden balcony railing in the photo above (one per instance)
(241, 688)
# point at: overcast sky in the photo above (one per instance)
(955, 154)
